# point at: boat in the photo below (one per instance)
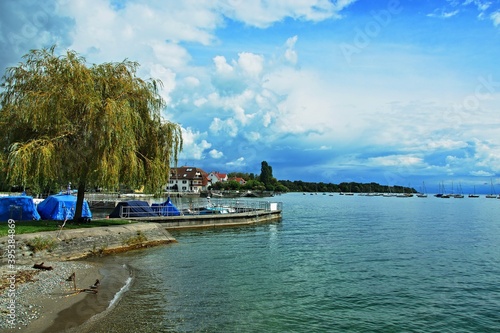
(460, 194)
(474, 195)
(492, 194)
(423, 193)
(440, 191)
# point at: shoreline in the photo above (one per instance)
(45, 301)
(50, 304)
(38, 302)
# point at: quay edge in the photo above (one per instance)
(185, 222)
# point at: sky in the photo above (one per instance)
(398, 92)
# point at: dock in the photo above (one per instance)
(197, 213)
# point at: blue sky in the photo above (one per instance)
(395, 92)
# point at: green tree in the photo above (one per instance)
(266, 173)
(254, 185)
(63, 121)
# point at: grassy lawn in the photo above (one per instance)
(26, 227)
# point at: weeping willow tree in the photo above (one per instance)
(62, 121)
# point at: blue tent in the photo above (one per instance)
(132, 208)
(166, 209)
(18, 208)
(60, 207)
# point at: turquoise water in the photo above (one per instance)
(333, 264)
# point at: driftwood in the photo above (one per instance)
(42, 266)
(86, 290)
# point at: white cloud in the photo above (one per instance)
(264, 13)
(238, 163)
(221, 66)
(446, 144)
(495, 17)
(252, 136)
(290, 53)
(192, 81)
(214, 153)
(170, 55)
(250, 64)
(396, 160)
(219, 127)
(443, 14)
(194, 144)
(167, 77)
(482, 173)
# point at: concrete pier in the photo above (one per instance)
(184, 222)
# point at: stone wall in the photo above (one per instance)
(81, 243)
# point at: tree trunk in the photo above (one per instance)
(79, 202)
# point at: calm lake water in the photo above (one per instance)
(333, 264)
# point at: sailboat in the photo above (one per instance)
(460, 193)
(444, 195)
(492, 194)
(422, 194)
(474, 195)
(440, 191)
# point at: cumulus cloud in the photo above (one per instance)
(194, 144)
(495, 17)
(250, 64)
(221, 66)
(290, 53)
(396, 160)
(238, 163)
(214, 153)
(262, 14)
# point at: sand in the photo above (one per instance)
(40, 303)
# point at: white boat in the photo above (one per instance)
(492, 194)
(423, 193)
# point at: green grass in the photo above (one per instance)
(26, 227)
(38, 244)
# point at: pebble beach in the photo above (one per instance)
(39, 296)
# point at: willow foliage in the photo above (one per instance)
(99, 125)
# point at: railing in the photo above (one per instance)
(199, 206)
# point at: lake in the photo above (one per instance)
(333, 264)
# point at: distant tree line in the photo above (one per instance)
(266, 182)
(301, 186)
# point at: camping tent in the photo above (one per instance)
(132, 208)
(19, 208)
(166, 209)
(61, 207)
